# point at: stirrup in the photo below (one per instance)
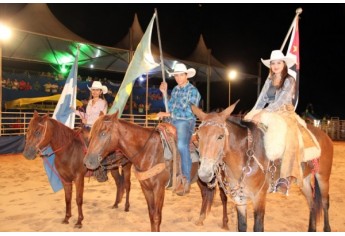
(282, 185)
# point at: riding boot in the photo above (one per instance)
(183, 186)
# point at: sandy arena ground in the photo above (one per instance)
(28, 204)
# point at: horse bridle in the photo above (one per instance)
(226, 133)
(44, 148)
(43, 136)
(221, 166)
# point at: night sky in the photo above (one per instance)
(238, 35)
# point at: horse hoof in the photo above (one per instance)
(199, 223)
(65, 222)
(78, 226)
(115, 206)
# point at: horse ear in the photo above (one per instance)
(198, 112)
(101, 113)
(114, 116)
(36, 114)
(45, 116)
(227, 112)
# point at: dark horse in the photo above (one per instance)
(236, 149)
(69, 148)
(143, 147)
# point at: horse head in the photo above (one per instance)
(37, 135)
(212, 134)
(102, 140)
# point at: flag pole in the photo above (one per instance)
(298, 12)
(162, 62)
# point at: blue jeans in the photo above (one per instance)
(184, 129)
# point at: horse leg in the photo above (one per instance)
(224, 199)
(154, 199)
(127, 175)
(79, 182)
(259, 205)
(68, 195)
(242, 217)
(207, 196)
(119, 182)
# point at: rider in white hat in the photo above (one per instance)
(274, 107)
(96, 104)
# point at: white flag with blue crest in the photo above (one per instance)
(64, 114)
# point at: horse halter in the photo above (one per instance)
(43, 136)
(41, 151)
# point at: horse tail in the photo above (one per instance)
(317, 207)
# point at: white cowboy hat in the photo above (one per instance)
(181, 68)
(98, 85)
(290, 60)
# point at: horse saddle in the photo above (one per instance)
(169, 137)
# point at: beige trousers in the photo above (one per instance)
(293, 152)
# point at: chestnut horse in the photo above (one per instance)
(235, 148)
(143, 147)
(69, 148)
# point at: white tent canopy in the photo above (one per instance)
(39, 36)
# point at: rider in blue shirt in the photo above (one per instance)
(182, 96)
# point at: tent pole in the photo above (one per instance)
(208, 80)
(147, 98)
(0, 87)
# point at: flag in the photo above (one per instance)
(63, 114)
(293, 49)
(141, 63)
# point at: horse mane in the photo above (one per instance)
(62, 134)
(240, 122)
(107, 118)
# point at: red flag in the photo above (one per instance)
(294, 50)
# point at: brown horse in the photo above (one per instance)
(143, 147)
(235, 148)
(69, 148)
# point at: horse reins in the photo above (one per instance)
(58, 149)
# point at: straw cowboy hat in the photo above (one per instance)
(290, 59)
(181, 68)
(98, 85)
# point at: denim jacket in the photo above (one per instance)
(283, 96)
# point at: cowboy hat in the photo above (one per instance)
(98, 85)
(181, 68)
(290, 60)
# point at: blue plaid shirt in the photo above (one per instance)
(181, 98)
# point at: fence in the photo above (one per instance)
(334, 127)
(16, 123)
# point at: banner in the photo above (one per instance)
(141, 63)
(293, 49)
(63, 114)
